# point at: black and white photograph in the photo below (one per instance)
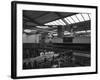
(56, 39)
(53, 39)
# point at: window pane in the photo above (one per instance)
(75, 18)
(46, 24)
(59, 22)
(62, 22)
(86, 17)
(52, 23)
(89, 16)
(69, 18)
(56, 23)
(80, 17)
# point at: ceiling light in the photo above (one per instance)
(44, 27)
(27, 30)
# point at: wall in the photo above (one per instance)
(31, 38)
(81, 40)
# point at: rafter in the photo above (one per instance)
(32, 20)
(42, 15)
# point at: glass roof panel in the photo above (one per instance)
(46, 24)
(86, 17)
(54, 22)
(58, 22)
(89, 16)
(72, 19)
(62, 21)
(69, 18)
(50, 23)
(80, 17)
(75, 18)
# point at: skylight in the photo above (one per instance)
(50, 23)
(54, 22)
(86, 17)
(58, 23)
(75, 18)
(62, 22)
(79, 16)
(70, 19)
(46, 24)
(89, 16)
(67, 20)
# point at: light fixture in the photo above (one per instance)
(62, 21)
(70, 19)
(27, 30)
(44, 27)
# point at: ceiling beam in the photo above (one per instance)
(42, 15)
(32, 20)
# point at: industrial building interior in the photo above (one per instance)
(56, 39)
